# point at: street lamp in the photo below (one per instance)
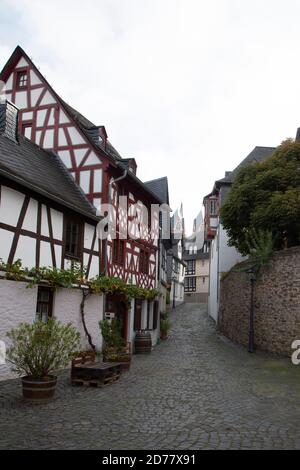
(251, 321)
(174, 280)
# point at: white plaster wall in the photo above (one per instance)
(75, 136)
(17, 304)
(222, 259)
(30, 220)
(26, 250)
(66, 308)
(213, 280)
(89, 231)
(10, 205)
(131, 333)
(229, 256)
(6, 238)
(57, 219)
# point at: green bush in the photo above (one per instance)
(40, 348)
(165, 325)
(112, 334)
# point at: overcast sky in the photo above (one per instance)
(187, 87)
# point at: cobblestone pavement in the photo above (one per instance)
(195, 391)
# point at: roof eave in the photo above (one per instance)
(32, 187)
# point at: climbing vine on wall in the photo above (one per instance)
(75, 277)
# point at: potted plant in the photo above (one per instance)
(38, 350)
(165, 325)
(115, 348)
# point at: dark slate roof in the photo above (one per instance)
(199, 255)
(160, 188)
(42, 172)
(257, 155)
(91, 132)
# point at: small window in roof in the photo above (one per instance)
(22, 79)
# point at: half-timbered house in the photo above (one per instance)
(45, 221)
(160, 187)
(102, 174)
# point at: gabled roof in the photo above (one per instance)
(257, 155)
(199, 255)
(43, 172)
(160, 187)
(89, 129)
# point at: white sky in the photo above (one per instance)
(187, 87)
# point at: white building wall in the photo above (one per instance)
(66, 308)
(17, 304)
(222, 259)
(131, 333)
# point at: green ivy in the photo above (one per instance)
(68, 278)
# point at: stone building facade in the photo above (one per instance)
(277, 304)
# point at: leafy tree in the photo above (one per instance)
(266, 196)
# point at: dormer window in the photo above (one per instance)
(22, 79)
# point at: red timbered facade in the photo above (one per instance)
(94, 164)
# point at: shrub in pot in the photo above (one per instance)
(37, 351)
(115, 347)
(165, 326)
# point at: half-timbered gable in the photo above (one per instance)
(45, 219)
(92, 161)
(161, 189)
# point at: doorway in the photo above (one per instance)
(118, 305)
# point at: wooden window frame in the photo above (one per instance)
(26, 125)
(190, 284)
(79, 245)
(49, 302)
(118, 251)
(144, 261)
(190, 271)
(21, 73)
(213, 207)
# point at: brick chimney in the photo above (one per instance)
(9, 120)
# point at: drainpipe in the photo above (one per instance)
(112, 181)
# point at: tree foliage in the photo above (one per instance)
(266, 197)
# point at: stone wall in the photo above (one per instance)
(277, 304)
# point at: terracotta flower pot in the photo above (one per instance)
(39, 390)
